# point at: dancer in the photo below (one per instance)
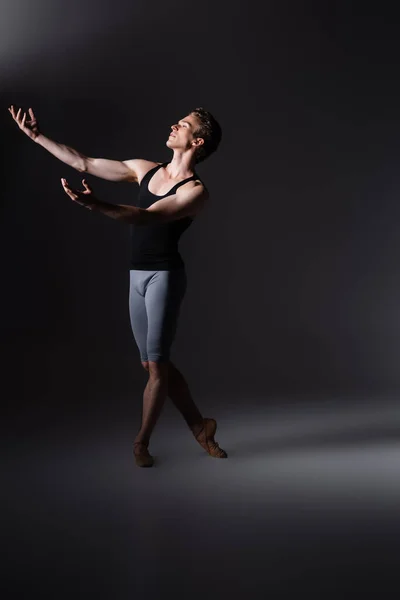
(170, 196)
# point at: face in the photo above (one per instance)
(182, 134)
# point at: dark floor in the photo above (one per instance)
(307, 503)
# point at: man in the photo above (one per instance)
(170, 197)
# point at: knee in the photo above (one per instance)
(158, 369)
(145, 365)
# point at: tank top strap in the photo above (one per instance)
(150, 174)
(177, 185)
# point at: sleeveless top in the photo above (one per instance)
(155, 247)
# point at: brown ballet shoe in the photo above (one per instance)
(142, 456)
(206, 439)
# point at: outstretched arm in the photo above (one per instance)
(112, 170)
(185, 203)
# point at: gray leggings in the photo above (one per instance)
(155, 299)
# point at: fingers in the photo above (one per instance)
(76, 196)
(33, 121)
(86, 186)
(68, 190)
(65, 185)
(12, 111)
(17, 116)
(20, 117)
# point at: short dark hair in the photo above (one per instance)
(211, 132)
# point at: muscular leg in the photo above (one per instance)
(153, 399)
(202, 429)
(162, 293)
(179, 393)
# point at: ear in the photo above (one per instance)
(198, 142)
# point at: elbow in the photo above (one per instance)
(82, 167)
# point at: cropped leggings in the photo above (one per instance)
(155, 299)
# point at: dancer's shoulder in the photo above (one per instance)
(141, 167)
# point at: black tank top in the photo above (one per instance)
(155, 247)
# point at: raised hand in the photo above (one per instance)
(83, 197)
(28, 126)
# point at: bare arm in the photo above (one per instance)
(112, 170)
(184, 203)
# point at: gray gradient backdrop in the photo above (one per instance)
(293, 270)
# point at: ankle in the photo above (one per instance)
(141, 441)
(197, 428)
